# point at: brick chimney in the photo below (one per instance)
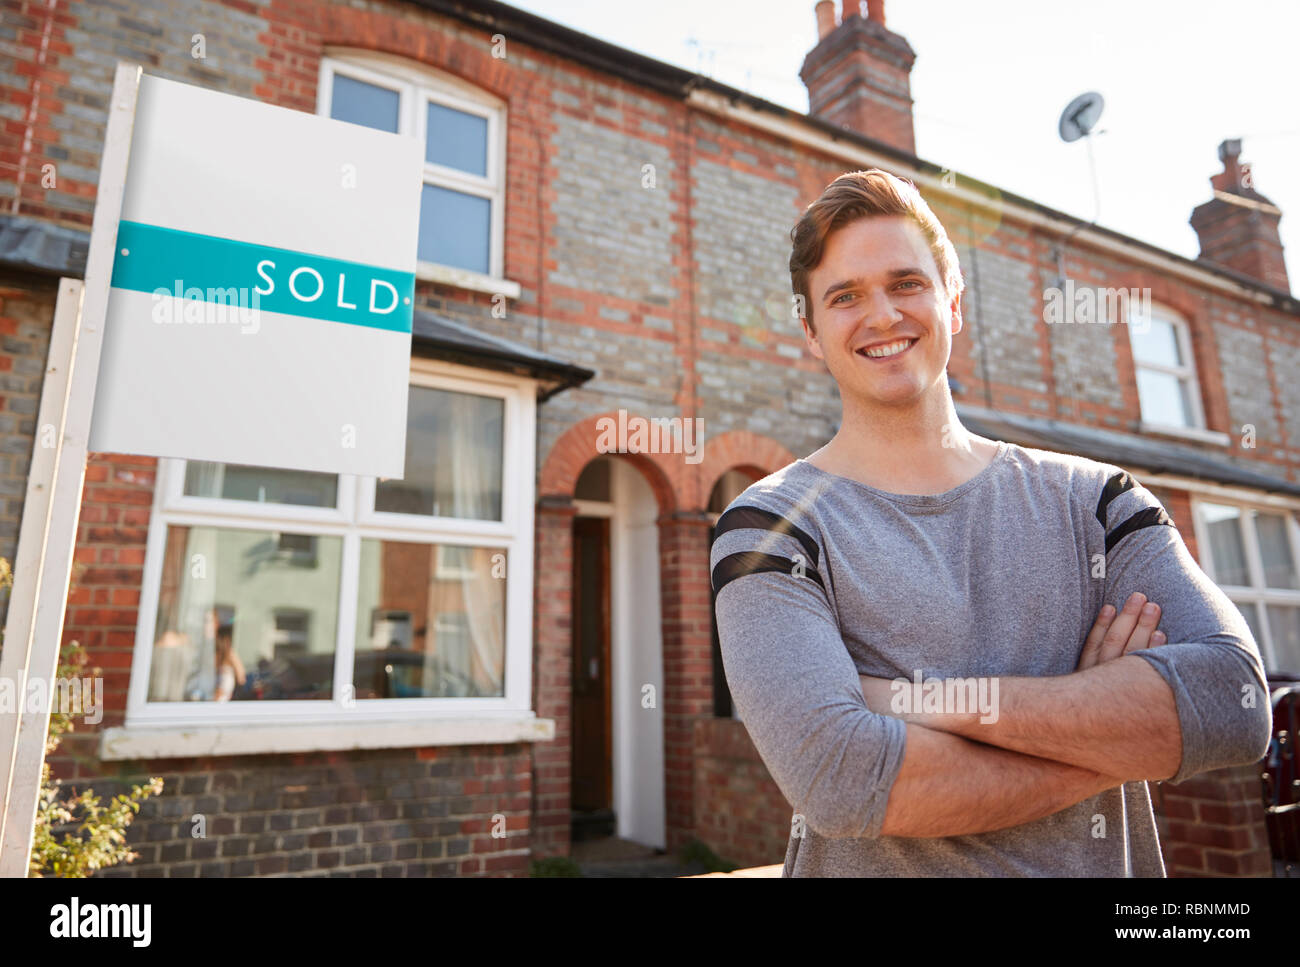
(1238, 227)
(858, 74)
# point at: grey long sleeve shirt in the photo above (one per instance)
(819, 578)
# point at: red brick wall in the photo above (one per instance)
(283, 41)
(1213, 824)
(26, 308)
(739, 812)
(395, 812)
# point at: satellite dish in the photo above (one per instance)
(1080, 116)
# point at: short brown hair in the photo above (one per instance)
(865, 194)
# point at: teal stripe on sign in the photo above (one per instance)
(192, 266)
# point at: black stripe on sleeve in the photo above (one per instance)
(1150, 517)
(745, 516)
(755, 562)
(1115, 486)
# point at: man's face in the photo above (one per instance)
(878, 287)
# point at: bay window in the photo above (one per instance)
(1252, 553)
(286, 596)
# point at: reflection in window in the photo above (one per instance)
(456, 139)
(463, 172)
(1275, 551)
(453, 457)
(367, 104)
(1284, 624)
(1223, 524)
(1165, 371)
(236, 621)
(455, 229)
(1253, 555)
(231, 481)
(431, 633)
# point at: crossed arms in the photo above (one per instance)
(1055, 742)
(1135, 707)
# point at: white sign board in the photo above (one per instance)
(263, 276)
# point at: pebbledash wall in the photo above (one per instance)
(676, 295)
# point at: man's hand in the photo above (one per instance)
(1113, 636)
(1115, 718)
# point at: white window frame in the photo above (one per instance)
(417, 84)
(354, 520)
(1254, 593)
(1184, 374)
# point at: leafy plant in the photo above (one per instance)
(555, 866)
(696, 853)
(98, 840)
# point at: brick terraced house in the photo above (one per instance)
(462, 671)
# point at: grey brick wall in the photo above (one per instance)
(26, 314)
(1004, 325)
(1241, 354)
(798, 408)
(611, 235)
(357, 814)
(740, 227)
(1286, 365)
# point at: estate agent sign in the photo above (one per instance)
(263, 274)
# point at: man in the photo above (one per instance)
(910, 548)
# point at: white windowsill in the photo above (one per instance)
(430, 272)
(1187, 433)
(154, 742)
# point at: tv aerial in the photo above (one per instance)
(1077, 122)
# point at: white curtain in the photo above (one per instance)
(475, 453)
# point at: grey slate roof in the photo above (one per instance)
(439, 337)
(33, 243)
(1153, 454)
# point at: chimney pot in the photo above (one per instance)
(825, 11)
(858, 75)
(1237, 228)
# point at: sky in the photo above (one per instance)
(992, 77)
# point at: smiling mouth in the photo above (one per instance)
(888, 350)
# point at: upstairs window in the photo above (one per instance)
(1166, 374)
(462, 130)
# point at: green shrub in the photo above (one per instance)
(696, 853)
(99, 837)
(555, 866)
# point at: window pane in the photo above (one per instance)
(456, 139)
(1158, 344)
(454, 447)
(245, 615)
(1275, 550)
(1250, 612)
(1284, 625)
(430, 621)
(1164, 398)
(231, 481)
(1226, 548)
(454, 229)
(367, 104)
